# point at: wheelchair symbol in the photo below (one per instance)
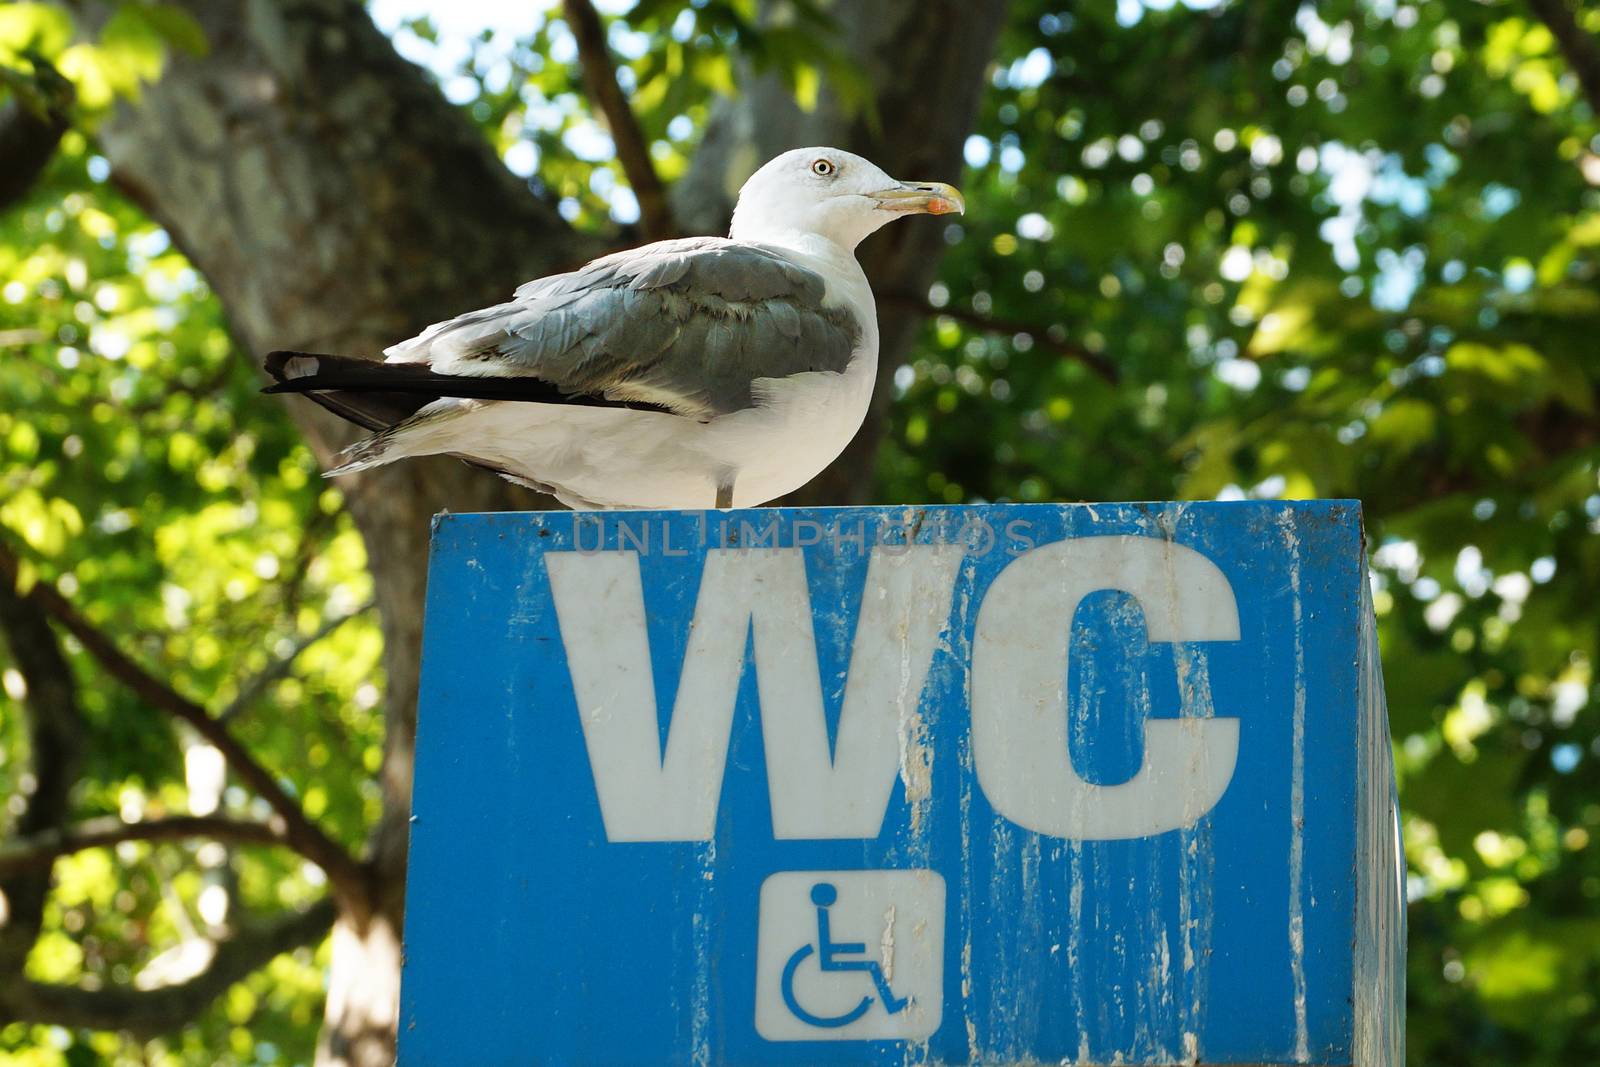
(828, 951)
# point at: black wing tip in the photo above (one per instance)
(279, 364)
(278, 359)
(320, 375)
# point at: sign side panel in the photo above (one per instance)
(1380, 951)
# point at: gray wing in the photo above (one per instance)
(688, 324)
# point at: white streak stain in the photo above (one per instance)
(1195, 859)
(960, 635)
(700, 1016)
(1196, 869)
(966, 995)
(916, 754)
(916, 760)
(886, 945)
(1297, 799)
(1025, 994)
(1080, 990)
(1003, 1007)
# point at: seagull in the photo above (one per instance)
(707, 370)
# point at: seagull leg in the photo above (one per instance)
(725, 496)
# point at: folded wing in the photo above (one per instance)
(685, 325)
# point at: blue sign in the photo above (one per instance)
(974, 785)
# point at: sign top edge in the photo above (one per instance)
(1337, 509)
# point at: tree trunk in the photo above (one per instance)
(335, 201)
(925, 61)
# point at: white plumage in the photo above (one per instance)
(675, 375)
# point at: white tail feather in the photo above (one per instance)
(374, 451)
(424, 434)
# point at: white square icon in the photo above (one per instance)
(850, 956)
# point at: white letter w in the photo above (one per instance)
(647, 796)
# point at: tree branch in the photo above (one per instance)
(31, 125)
(313, 535)
(251, 690)
(1099, 364)
(300, 833)
(633, 151)
(210, 385)
(1579, 48)
(43, 848)
(55, 742)
(1554, 432)
(148, 1012)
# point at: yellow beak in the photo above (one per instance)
(933, 198)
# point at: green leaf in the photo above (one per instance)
(174, 25)
(42, 28)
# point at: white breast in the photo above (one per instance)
(800, 424)
(618, 458)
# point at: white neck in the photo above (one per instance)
(811, 243)
(840, 223)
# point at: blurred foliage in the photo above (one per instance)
(674, 59)
(142, 475)
(1342, 249)
(128, 50)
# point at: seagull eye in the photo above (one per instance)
(822, 168)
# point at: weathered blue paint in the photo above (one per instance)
(1268, 932)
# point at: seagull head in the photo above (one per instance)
(830, 193)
